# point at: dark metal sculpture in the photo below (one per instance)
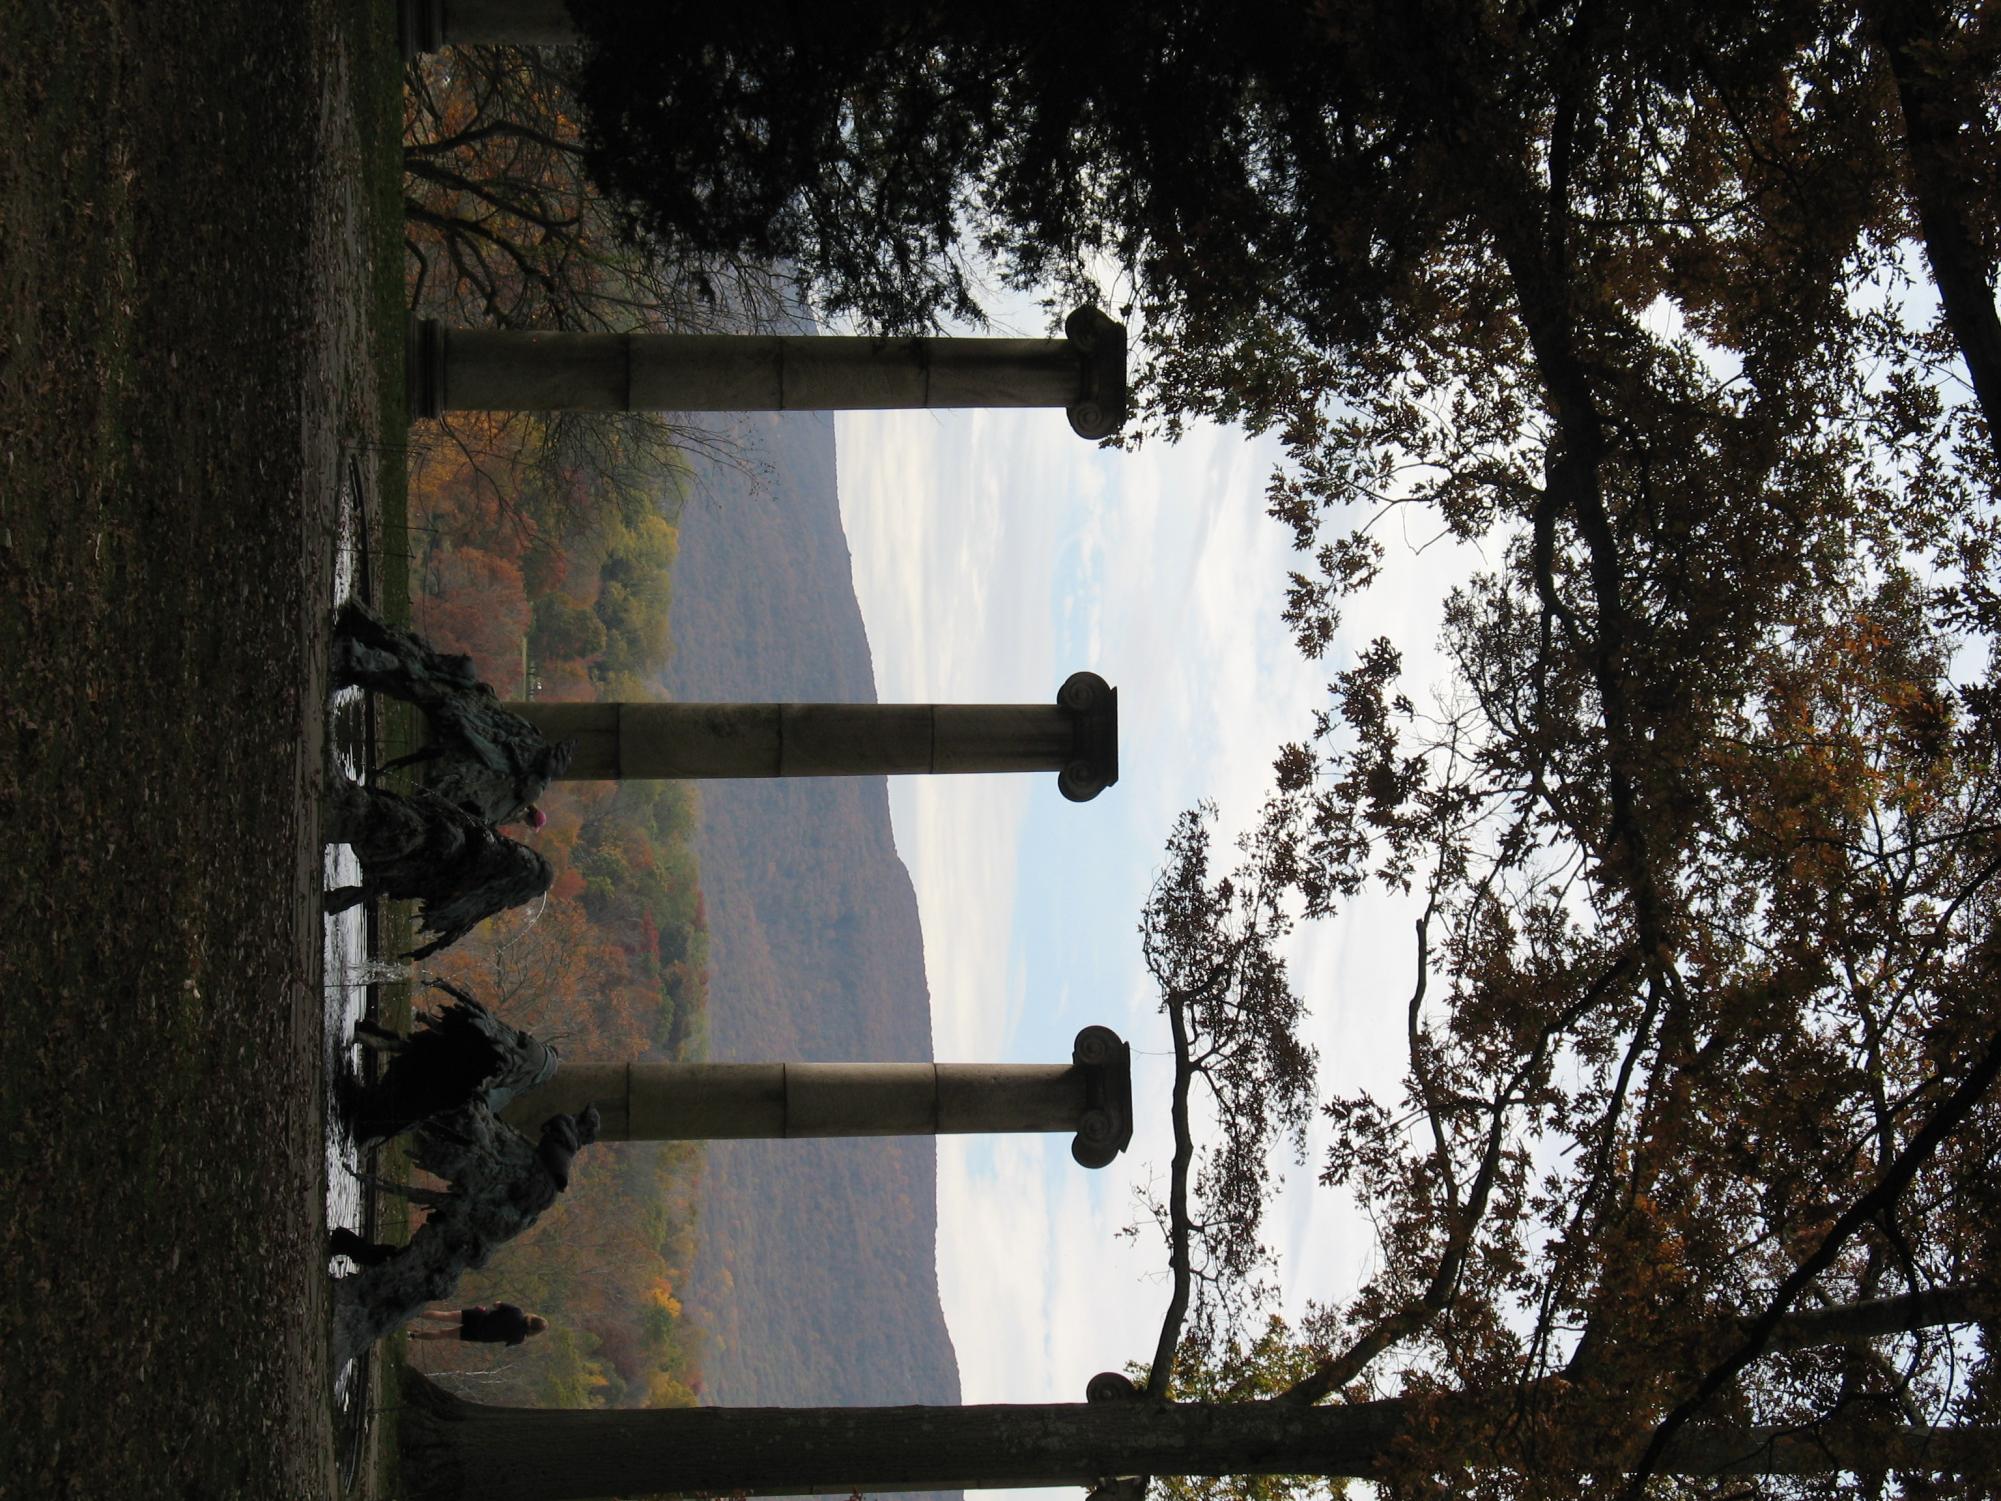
(422, 847)
(499, 1184)
(454, 1056)
(480, 756)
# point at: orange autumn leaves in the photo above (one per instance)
(614, 964)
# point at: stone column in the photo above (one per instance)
(1091, 1095)
(482, 370)
(427, 25)
(1077, 737)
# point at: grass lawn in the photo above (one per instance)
(199, 272)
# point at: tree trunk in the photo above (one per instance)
(1941, 107)
(455, 1450)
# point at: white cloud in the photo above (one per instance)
(995, 553)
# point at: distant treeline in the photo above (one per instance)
(508, 553)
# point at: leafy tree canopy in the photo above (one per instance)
(1685, 316)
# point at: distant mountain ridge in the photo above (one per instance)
(816, 1267)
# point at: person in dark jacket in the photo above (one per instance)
(502, 1324)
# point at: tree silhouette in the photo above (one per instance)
(1701, 838)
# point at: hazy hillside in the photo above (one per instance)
(815, 1267)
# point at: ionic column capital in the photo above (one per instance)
(1106, 1127)
(1094, 759)
(1100, 343)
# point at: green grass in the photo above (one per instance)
(164, 312)
(379, 108)
(379, 112)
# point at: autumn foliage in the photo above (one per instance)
(614, 965)
(1698, 831)
(1679, 321)
(503, 229)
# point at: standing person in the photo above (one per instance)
(502, 1324)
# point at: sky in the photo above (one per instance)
(994, 554)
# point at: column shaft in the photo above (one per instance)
(480, 370)
(693, 741)
(426, 25)
(499, 370)
(1077, 737)
(516, 23)
(702, 1101)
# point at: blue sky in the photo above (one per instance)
(995, 553)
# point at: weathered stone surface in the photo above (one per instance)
(644, 1100)
(480, 370)
(1076, 737)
